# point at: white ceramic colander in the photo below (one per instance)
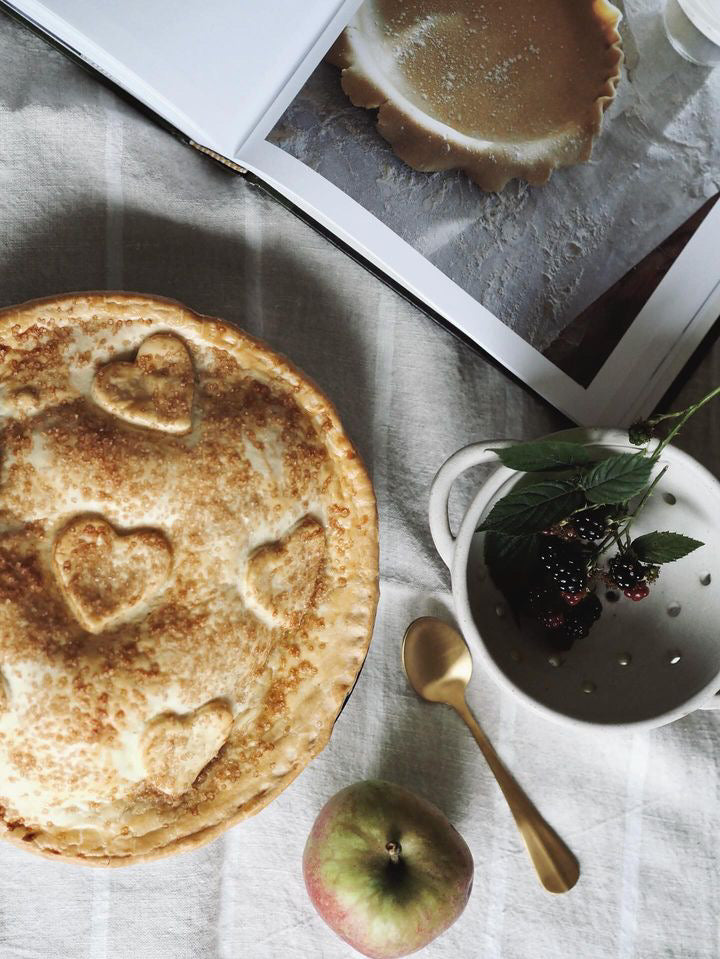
(643, 664)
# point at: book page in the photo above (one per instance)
(544, 260)
(214, 69)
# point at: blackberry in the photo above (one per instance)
(591, 524)
(589, 611)
(552, 619)
(542, 603)
(539, 599)
(578, 623)
(641, 433)
(625, 572)
(565, 564)
(574, 629)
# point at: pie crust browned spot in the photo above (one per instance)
(188, 576)
(497, 88)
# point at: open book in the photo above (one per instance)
(524, 275)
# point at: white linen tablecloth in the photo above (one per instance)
(94, 196)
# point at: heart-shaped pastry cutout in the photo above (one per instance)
(176, 748)
(155, 391)
(108, 576)
(284, 578)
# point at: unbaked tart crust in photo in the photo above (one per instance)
(497, 88)
(188, 576)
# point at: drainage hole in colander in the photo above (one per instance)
(674, 657)
(500, 610)
(611, 596)
(669, 499)
(674, 609)
(705, 579)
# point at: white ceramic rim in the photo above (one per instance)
(703, 18)
(458, 572)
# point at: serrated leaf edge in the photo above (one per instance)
(697, 544)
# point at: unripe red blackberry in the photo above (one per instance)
(637, 592)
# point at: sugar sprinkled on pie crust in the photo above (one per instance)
(188, 575)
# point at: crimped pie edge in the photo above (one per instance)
(320, 409)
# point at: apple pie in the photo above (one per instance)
(497, 88)
(188, 576)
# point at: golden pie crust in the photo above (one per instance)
(188, 576)
(497, 88)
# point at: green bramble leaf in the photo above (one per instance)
(507, 554)
(543, 456)
(532, 509)
(511, 560)
(657, 548)
(617, 479)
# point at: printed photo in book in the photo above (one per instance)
(554, 172)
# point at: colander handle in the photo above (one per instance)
(459, 462)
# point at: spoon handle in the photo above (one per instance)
(556, 866)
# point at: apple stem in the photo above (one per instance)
(393, 850)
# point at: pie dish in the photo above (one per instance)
(501, 89)
(188, 576)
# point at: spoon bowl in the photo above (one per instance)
(436, 659)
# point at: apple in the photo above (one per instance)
(385, 869)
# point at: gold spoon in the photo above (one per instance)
(439, 666)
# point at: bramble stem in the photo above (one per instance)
(646, 495)
(615, 535)
(684, 417)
